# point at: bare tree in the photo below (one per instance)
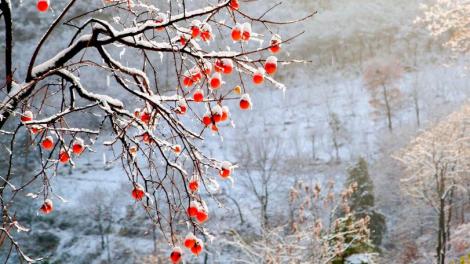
(449, 18)
(313, 240)
(260, 162)
(158, 144)
(380, 76)
(338, 132)
(99, 205)
(415, 96)
(438, 166)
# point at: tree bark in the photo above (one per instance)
(5, 6)
(387, 108)
(417, 111)
(441, 233)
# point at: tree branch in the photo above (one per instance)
(5, 6)
(44, 38)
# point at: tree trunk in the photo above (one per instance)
(449, 219)
(264, 213)
(107, 249)
(388, 110)
(240, 214)
(265, 202)
(462, 213)
(154, 236)
(100, 227)
(313, 147)
(441, 233)
(335, 143)
(417, 111)
(5, 7)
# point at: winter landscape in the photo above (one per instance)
(235, 131)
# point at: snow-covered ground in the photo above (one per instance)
(294, 115)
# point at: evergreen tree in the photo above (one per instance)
(362, 201)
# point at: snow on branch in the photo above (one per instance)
(153, 114)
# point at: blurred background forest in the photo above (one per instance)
(295, 150)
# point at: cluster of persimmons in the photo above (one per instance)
(211, 73)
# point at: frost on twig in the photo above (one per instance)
(153, 128)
